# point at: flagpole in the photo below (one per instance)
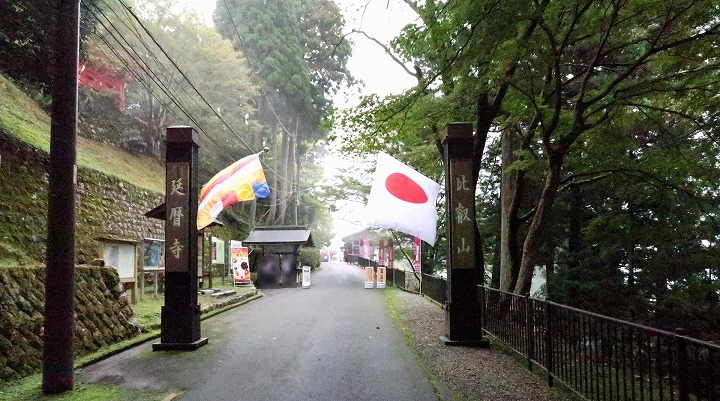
(253, 208)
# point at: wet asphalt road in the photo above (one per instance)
(334, 341)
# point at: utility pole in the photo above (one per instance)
(59, 323)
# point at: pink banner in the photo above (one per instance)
(417, 264)
(381, 253)
(391, 253)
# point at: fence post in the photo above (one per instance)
(481, 293)
(682, 364)
(530, 335)
(548, 344)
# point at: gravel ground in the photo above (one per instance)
(469, 373)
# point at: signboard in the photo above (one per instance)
(240, 262)
(381, 277)
(369, 277)
(306, 277)
(418, 248)
(122, 257)
(461, 214)
(217, 251)
(153, 254)
(176, 222)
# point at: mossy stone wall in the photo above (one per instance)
(102, 315)
(106, 206)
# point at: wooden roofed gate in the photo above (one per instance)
(279, 265)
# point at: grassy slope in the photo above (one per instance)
(23, 119)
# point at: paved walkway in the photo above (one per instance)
(335, 341)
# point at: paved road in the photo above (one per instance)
(335, 341)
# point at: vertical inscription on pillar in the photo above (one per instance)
(177, 222)
(462, 214)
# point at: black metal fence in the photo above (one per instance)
(601, 358)
(362, 262)
(435, 288)
(432, 287)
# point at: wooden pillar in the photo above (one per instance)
(59, 324)
(463, 325)
(180, 316)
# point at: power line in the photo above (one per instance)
(147, 31)
(140, 61)
(155, 41)
(148, 71)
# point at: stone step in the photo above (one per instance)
(222, 294)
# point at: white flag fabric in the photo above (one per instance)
(402, 199)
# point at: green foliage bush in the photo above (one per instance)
(310, 257)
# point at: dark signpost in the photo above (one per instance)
(180, 316)
(463, 324)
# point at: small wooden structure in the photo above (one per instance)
(121, 254)
(280, 246)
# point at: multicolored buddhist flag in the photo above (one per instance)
(243, 180)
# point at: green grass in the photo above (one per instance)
(24, 120)
(147, 311)
(441, 389)
(29, 389)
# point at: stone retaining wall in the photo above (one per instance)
(102, 315)
(106, 206)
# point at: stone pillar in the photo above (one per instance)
(180, 316)
(463, 324)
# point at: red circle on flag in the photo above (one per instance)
(405, 189)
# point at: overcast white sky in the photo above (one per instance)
(383, 20)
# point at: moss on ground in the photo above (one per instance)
(28, 389)
(22, 119)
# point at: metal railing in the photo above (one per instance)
(363, 262)
(434, 288)
(599, 357)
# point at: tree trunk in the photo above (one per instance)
(296, 175)
(285, 185)
(575, 227)
(532, 239)
(510, 197)
(273, 192)
(495, 279)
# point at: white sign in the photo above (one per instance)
(306, 277)
(217, 251)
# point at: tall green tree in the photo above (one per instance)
(27, 37)
(296, 52)
(552, 73)
(187, 54)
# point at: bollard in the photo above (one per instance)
(369, 277)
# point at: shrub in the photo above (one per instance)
(310, 257)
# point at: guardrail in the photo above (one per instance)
(599, 357)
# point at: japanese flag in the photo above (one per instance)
(402, 199)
